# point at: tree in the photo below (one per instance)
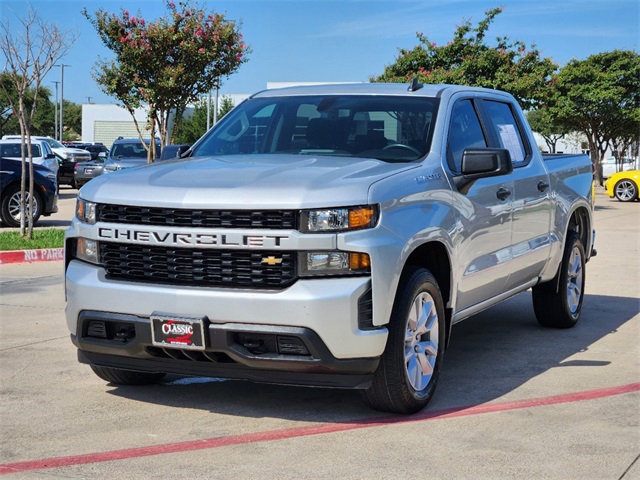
(225, 106)
(43, 121)
(72, 120)
(193, 127)
(468, 60)
(167, 62)
(29, 56)
(600, 97)
(542, 122)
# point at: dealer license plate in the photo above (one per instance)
(186, 333)
(88, 170)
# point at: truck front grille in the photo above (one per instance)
(199, 267)
(180, 217)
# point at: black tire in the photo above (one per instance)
(626, 190)
(558, 303)
(393, 388)
(11, 200)
(126, 377)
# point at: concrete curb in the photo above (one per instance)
(31, 256)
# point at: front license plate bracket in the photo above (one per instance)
(174, 331)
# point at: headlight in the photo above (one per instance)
(334, 263)
(338, 219)
(87, 250)
(111, 167)
(86, 211)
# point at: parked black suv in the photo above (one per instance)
(45, 188)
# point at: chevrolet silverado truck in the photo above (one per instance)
(327, 236)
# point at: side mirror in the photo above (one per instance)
(51, 155)
(182, 149)
(483, 163)
(102, 155)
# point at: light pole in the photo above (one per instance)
(215, 107)
(62, 65)
(208, 111)
(55, 131)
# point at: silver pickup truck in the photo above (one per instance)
(327, 236)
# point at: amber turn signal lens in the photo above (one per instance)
(361, 217)
(359, 261)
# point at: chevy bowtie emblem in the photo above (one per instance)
(272, 260)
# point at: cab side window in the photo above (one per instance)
(465, 132)
(507, 130)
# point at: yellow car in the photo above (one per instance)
(623, 185)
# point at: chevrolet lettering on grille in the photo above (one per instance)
(227, 240)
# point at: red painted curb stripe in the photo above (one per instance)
(29, 256)
(324, 428)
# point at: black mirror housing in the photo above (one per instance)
(483, 163)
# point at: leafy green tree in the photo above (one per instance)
(600, 97)
(542, 122)
(226, 105)
(43, 119)
(72, 120)
(468, 60)
(165, 63)
(193, 127)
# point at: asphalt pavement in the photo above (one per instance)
(515, 401)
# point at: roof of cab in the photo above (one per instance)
(370, 89)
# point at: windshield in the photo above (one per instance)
(14, 150)
(131, 150)
(386, 128)
(53, 143)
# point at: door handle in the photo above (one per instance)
(503, 193)
(542, 186)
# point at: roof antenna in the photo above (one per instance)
(415, 85)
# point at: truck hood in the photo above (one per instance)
(244, 181)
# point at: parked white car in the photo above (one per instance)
(609, 166)
(63, 153)
(41, 151)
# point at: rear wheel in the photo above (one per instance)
(410, 365)
(560, 307)
(126, 377)
(626, 191)
(10, 210)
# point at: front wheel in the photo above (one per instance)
(560, 307)
(10, 210)
(126, 377)
(408, 372)
(626, 191)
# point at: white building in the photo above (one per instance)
(103, 123)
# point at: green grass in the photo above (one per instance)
(45, 238)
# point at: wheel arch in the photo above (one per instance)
(580, 222)
(435, 257)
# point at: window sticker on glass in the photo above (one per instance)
(511, 142)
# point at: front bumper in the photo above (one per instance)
(322, 313)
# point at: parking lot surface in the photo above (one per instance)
(515, 401)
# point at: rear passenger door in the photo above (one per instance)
(531, 194)
(484, 212)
